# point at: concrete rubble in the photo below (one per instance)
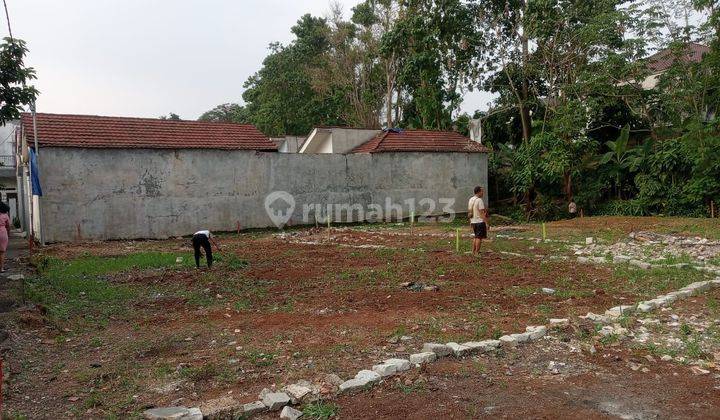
(459, 350)
(289, 413)
(360, 381)
(253, 408)
(441, 350)
(422, 358)
(275, 400)
(173, 413)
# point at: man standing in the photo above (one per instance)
(478, 218)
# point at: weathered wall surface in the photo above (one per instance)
(123, 194)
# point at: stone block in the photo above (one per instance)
(508, 341)
(441, 350)
(289, 413)
(422, 358)
(384, 370)
(173, 413)
(536, 332)
(401, 365)
(255, 407)
(363, 379)
(459, 350)
(276, 400)
(559, 322)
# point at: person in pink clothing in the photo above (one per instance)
(4, 233)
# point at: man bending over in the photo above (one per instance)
(202, 239)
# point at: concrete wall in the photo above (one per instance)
(121, 193)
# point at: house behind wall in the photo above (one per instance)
(96, 189)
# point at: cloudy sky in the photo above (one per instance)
(152, 57)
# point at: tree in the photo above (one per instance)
(227, 113)
(280, 98)
(434, 43)
(14, 76)
(172, 117)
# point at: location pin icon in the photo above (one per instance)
(279, 206)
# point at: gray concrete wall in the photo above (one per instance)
(127, 194)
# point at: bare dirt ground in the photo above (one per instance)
(111, 328)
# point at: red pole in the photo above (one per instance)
(238, 227)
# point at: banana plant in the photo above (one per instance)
(619, 158)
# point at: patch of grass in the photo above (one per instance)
(609, 339)
(409, 389)
(242, 305)
(648, 283)
(523, 291)
(693, 349)
(685, 329)
(260, 359)
(199, 373)
(320, 410)
(231, 261)
(95, 266)
(712, 304)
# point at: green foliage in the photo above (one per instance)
(320, 410)
(14, 76)
(227, 113)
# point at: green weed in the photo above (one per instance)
(320, 410)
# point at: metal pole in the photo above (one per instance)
(37, 162)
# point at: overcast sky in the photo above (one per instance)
(151, 57)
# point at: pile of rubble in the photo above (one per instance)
(650, 246)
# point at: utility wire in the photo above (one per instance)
(7, 16)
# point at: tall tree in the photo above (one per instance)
(14, 76)
(280, 97)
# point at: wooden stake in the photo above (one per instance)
(712, 209)
(544, 231)
(328, 227)
(238, 227)
(412, 221)
(457, 240)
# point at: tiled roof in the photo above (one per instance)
(663, 59)
(91, 131)
(420, 141)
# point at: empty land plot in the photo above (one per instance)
(118, 326)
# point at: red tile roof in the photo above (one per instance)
(91, 131)
(420, 141)
(663, 59)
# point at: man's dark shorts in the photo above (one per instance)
(480, 230)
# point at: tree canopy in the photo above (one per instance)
(581, 111)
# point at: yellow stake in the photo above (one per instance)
(544, 231)
(457, 240)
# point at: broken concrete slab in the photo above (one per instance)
(297, 392)
(441, 350)
(253, 408)
(559, 322)
(458, 349)
(363, 379)
(422, 358)
(521, 337)
(276, 400)
(173, 413)
(482, 346)
(401, 365)
(596, 318)
(384, 370)
(646, 306)
(289, 413)
(640, 264)
(508, 341)
(536, 332)
(620, 310)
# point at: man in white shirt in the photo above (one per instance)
(478, 218)
(202, 238)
